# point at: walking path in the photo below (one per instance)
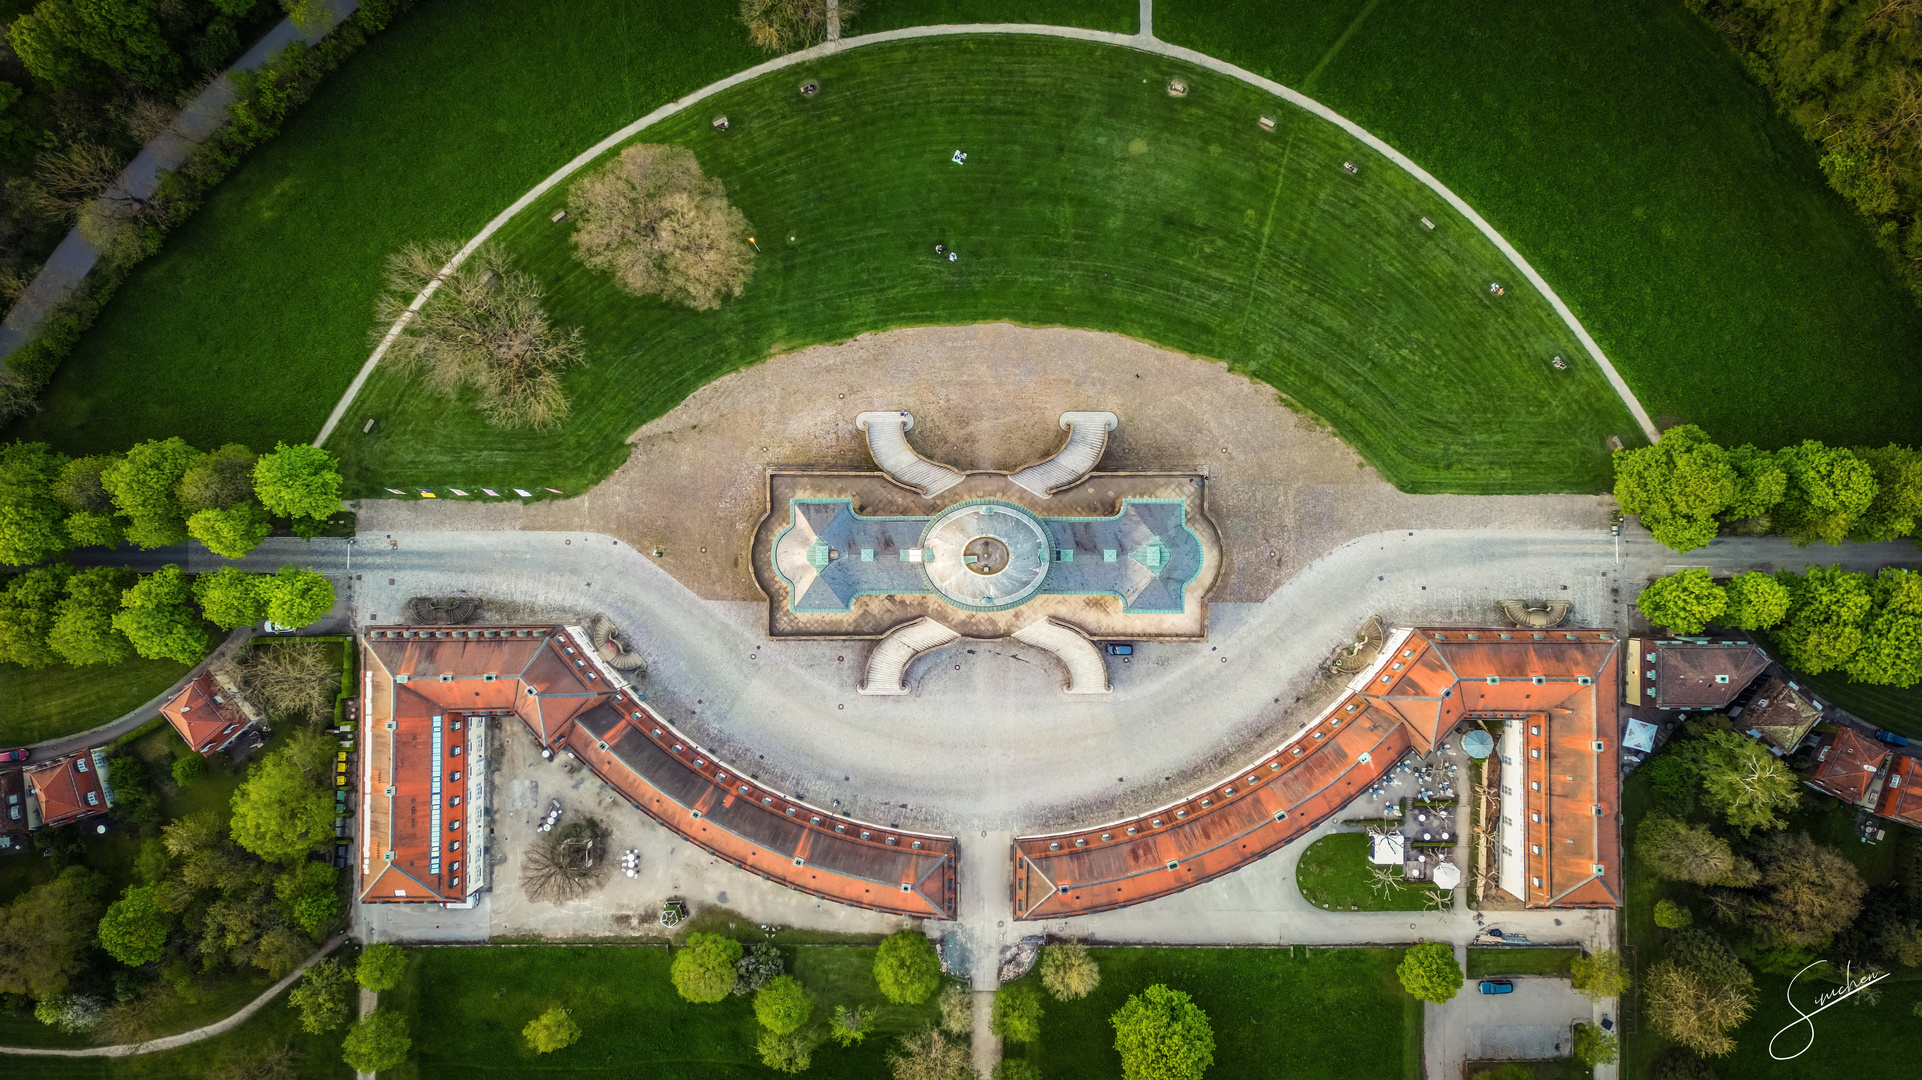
(169, 1042)
(76, 255)
(106, 733)
(1144, 41)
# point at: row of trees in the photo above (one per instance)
(107, 615)
(1686, 489)
(1846, 73)
(1822, 620)
(378, 1041)
(160, 492)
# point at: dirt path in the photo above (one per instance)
(1283, 490)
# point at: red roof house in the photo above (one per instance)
(1902, 791)
(205, 716)
(1848, 764)
(68, 789)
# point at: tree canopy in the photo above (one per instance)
(1161, 1034)
(145, 486)
(703, 969)
(1828, 615)
(30, 514)
(46, 931)
(1068, 971)
(652, 220)
(283, 810)
(1429, 971)
(380, 967)
(230, 533)
(134, 930)
(1680, 851)
(1756, 601)
(1898, 493)
(218, 480)
(377, 1042)
(1677, 486)
(230, 597)
(83, 630)
(1891, 652)
(550, 1031)
(1017, 1013)
(1812, 891)
(1829, 488)
(1684, 602)
(297, 597)
(1751, 788)
(783, 1005)
(323, 996)
(298, 481)
(1600, 975)
(158, 620)
(1699, 992)
(907, 968)
(27, 611)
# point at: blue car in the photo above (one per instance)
(1497, 986)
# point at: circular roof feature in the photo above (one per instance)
(985, 555)
(1478, 743)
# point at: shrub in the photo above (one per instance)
(1670, 915)
(786, 25)
(956, 1006)
(1069, 971)
(661, 228)
(703, 969)
(907, 968)
(931, 1055)
(783, 1005)
(849, 1025)
(761, 964)
(1015, 1069)
(187, 768)
(1017, 1013)
(550, 1031)
(1161, 1034)
(792, 1052)
(1593, 1046)
(1429, 971)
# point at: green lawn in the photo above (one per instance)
(1307, 1014)
(1091, 198)
(1118, 16)
(1897, 708)
(467, 1008)
(1335, 872)
(274, 1026)
(37, 704)
(1852, 1042)
(1620, 146)
(1484, 963)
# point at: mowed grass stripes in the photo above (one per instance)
(1090, 197)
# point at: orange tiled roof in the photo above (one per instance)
(1846, 764)
(1564, 680)
(202, 716)
(1902, 792)
(68, 788)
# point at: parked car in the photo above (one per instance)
(21, 754)
(1891, 738)
(1497, 986)
(271, 627)
(1120, 648)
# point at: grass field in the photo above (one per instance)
(37, 704)
(1621, 148)
(1096, 200)
(274, 1026)
(1483, 963)
(1308, 1014)
(1117, 16)
(1335, 872)
(467, 1008)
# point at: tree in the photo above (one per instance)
(931, 1055)
(1068, 971)
(1898, 493)
(83, 630)
(955, 1006)
(789, 1052)
(1756, 601)
(157, 619)
(1676, 486)
(552, 1030)
(1670, 915)
(377, 1042)
(290, 679)
(297, 597)
(907, 968)
(757, 967)
(1750, 787)
(298, 481)
(1828, 617)
(282, 811)
(703, 969)
(380, 967)
(1161, 1034)
(230, 597)
(1429, 971)
(1599, 976)
(134, 930)
(68, 42)
(145, 485)
(783, 1005)
(786, 25)
(1017, 1013)
(1760, 483)
(218, 480)
(1891, 652)
(1593, 1046)
(88, 528)
(1699, 993)
(1812, 891)
(662, 228)
(78, 486)
(322, 996)
(316, 912)
(29, 513)
(850, 1024)
(1684, 602)
(45, 933)
(484, 329)
(1829, 488)
(27, 606)
(567, 863)
(1019, 1069)
(230, 533)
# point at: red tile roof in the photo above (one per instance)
(1846, 764)
(69, 788)
(203, 717)
(1561, 682)
(1902, 791)
(1700, 674)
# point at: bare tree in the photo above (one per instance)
(1383, 880)
(787, 25)
(146, 119)
(65, 182)
(662, 228)
(484, 328)
(566, 863)
(291, 679)
(930, 1055)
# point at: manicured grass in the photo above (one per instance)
(1484, 963)
(1091, 198)
(1852, 1042)
(1117, 16)
(1335, 872)
(467, 1007)
(1307, 1014)
(276, 1025)
(37, 704)
(1621, 148)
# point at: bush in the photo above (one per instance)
(1600, 976)
(1161, 1034)
(1670, 915)
(1680, 1063)
(380, 967)
(783, 1005)
(1017, 1013)
(703, 969)
(188, 768)
(1429, 971)
(1593, 1046)
(758, 967)
(550, 1031)
(931, 1055)
(849, 1025)
(789, 1053)
(956, 1006)
(906, 968)
(1068, 971)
